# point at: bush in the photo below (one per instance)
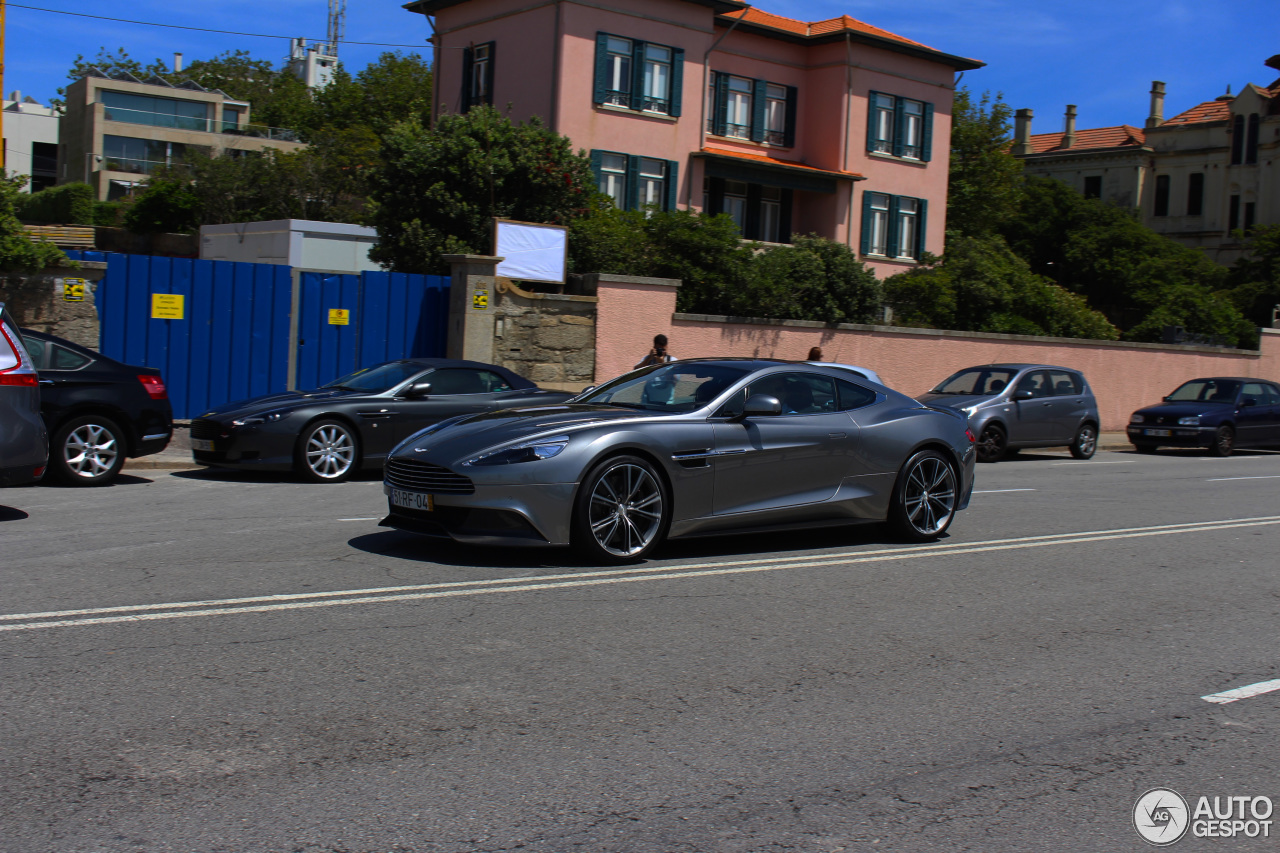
(18, 252)
(69, 204)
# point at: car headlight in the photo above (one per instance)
(530, 451)
(266, 418)
(1136, 418)
(969, 410)
(1191, 420)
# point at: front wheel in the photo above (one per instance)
(924, 498)
(87, 451)
(1224, 441)
(992, 444)
(327, 452)
(621, 512)
(1085, 444)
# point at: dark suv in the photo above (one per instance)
(1022, 405)
(98, 410)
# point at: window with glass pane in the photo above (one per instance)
(156, 112)
(912, 128)
(738, 120)
(613, 178)
(711, 103)
(908, 228)
(735, 202)
(619, 72)
(775, 115)
(878, 244)
(653, 181)
(882, 115)
(657, 78)
(770, 214)
(480, 58)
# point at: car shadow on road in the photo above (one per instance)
(9, 513)
(120, 480)
(236, 475)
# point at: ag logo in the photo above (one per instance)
(1161, 816)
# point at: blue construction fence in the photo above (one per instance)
(223, 331)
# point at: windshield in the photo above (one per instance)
(1205, 391)
(678, 387)
(375, 380)
(977, 380)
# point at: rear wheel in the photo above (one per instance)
(327, 452)
(1085, 444)
(924, 498)
(1224, 441)
(992, 444)
(87, 451)
(621, 512)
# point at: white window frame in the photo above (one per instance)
(620, 60)
(738, 108)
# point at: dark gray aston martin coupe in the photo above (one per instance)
(688, 448)
(328, 434)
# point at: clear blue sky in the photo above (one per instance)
(1101, 56)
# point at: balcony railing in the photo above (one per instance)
(203, 125)
(135, 165)
(260, 131)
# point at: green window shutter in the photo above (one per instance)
(602, 69)
(866, 223)
(633, 182)
(721, 126)
(677, 79)
(872, 102)
(759, 94)
(922, 220)
(467, 66)
(597, 161)
(673, 184)
(637, 75)
(926, 134)
(899, 127)
(891, 247)
(790, 133)
(488, 74)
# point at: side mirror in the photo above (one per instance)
(416, 391)
(1023, 395)
(1166, 399)
(761, 404)
(587, 390)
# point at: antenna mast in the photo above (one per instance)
(337, 24)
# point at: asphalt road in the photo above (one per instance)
(199, 662)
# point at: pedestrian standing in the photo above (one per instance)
(657, 355)
(815, 354)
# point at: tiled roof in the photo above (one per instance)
(1121, 136)
(766, 160)
(1208, 111)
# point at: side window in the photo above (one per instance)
(458, 380)
(1273, 395)
(36, 349)
(800, 393)
(493, 382)
(853, 396)
(1063, 384)
(1254, 391)
(61, 358)
(899, 126)
(1037, 382)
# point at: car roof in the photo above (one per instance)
(1229, 379)
(437, 363)
(1017, 365)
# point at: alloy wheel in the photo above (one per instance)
(929, 496)
(330, 451)
(625, 509)
(90, 451)
(992, 444)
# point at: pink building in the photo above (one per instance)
(835, 127)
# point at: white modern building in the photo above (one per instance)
(31, 141)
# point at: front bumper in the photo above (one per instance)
(1184, 436)
(251, 448)
(512, 515)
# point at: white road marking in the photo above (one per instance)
(1225, 479)
(1091, 462)
(359, 519)
(301, 601)
(1243, 692)
(998, 491)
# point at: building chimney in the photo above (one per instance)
(177, 63)
(15, 96)
(1069, 137)
(1022, 133)
(1157, 105)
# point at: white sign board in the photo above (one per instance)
(531, 252)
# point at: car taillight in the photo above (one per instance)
(973, 439)
(29, 380)
(39, 472)
(155, 387)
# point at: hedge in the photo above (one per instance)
(69, 204)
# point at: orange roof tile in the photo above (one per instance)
(1121, 136)
(776, 161)
(1208, 111)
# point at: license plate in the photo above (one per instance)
(413, 500)
(202, 444)
(1157, 432)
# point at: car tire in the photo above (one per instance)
(1085, 444)
(328, 451)
(621, 512)
(1224, 441)
(925, 497)
(1145, 448)
(87, 451)
(993, 444)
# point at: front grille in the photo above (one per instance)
(414, 476)
(207, 430)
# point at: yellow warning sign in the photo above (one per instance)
(167, 306)
(339, 317)
(480, 299)
(73, 289)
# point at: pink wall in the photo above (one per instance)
(1124, 376)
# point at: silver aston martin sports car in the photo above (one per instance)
(688, 448)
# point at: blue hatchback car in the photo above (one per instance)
(1220, 413)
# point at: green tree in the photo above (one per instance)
(395, 88)
(438, 191)
(985, 188)
(18, 252)
(1253, 282)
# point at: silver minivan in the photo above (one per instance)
(1011, 406)
(24, 444)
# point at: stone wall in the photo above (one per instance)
(36, 302)
(548, 338)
